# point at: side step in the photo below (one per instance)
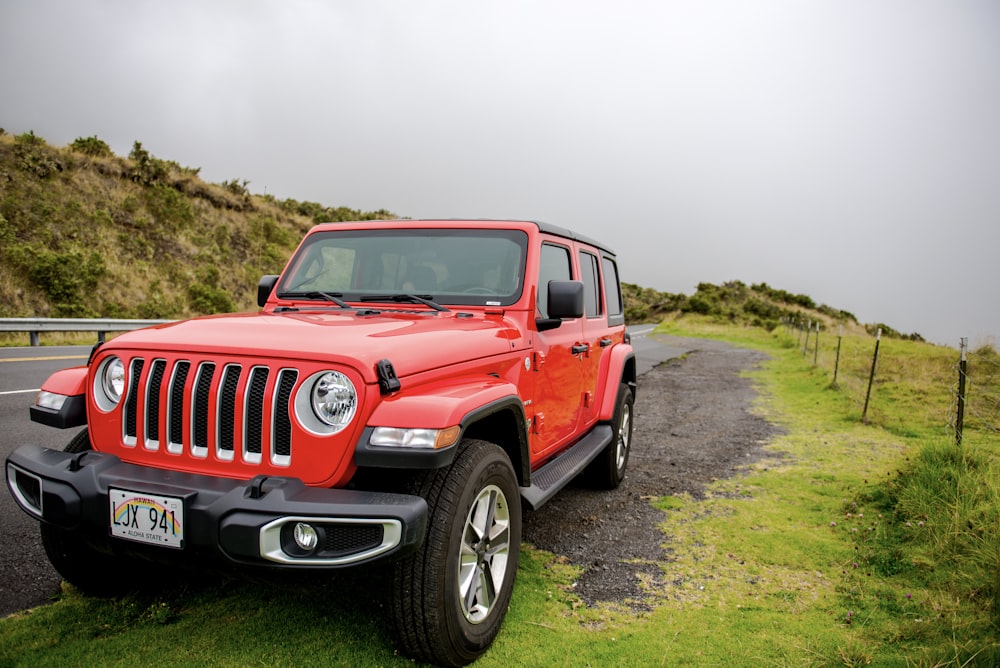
(552, 477)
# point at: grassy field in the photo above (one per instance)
(851, 544)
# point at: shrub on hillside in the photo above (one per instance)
(147, 169)
(171, 210)
(67, 278)
(91, 146)
(35, 156)
(784, 296)
(205, 295)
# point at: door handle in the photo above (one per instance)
(580, 348)
(606, 342)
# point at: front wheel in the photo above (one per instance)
(449, 599)
(89, 570)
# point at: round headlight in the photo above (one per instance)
(113, 379)
(334, 399)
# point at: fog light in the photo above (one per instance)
(305, 536)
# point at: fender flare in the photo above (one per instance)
(464, 402)
(621, 368)
(440, 404)
(69, 383)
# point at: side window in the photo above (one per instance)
(555, 266)
(591, 284)
(613, 293)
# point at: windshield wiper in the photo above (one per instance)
(403, 297)
(334, 297)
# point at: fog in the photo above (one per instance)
(847, 150)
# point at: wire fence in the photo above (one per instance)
(976, 395)
(909, 387)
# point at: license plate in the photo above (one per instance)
(147, 518)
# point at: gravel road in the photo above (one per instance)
(692, 425)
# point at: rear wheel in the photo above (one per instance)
(89, 570)
(449, 599)
(608, 469)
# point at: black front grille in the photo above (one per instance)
(227, 407)
(153, 407)
(184, 399)
(133, 397)
(176, 411)
(255, 408)
(199, 417)
(282, 423)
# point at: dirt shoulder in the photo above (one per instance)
(692, 425)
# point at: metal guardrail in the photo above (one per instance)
(34, 326)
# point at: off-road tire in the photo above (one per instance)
(91, 571)
(449, 599)
(608, 469)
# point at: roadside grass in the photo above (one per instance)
(45, 339)
(920, 515)
(850, 544)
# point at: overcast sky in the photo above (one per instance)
(848, 150)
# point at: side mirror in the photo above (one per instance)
(565, 299)
(565, 303)
(264, 288)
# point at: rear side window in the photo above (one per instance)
(613, 292)
(591, 284)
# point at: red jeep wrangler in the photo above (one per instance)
(406, 385)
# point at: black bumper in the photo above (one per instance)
(242, 522)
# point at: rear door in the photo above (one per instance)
(594, 336)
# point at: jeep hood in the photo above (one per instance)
(413, 341)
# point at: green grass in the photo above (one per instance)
(850, 544)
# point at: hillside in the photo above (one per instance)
(757, 305)
(86, 233)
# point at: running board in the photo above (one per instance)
(552, 477)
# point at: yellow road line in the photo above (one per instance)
(43, 359)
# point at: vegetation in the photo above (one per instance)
(851, 544)
(85, 233)
(733, 302)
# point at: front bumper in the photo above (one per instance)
(242, 522)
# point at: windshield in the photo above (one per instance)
(450, 266)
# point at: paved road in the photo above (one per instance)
(649, 351)
(26, 578)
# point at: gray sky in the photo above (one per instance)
(845, 149)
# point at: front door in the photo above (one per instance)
(558, 365)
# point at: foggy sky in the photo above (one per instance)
(847, 150)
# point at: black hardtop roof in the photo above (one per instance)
(569, 234)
